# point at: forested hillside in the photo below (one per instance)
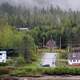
(63, 26)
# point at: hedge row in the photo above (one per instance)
(34, 71)
(38, 71)
(61, 71)
(27, 71)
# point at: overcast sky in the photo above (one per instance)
(64, 4)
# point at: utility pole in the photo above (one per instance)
(68, 47)
(43, 42)
(51, 46)
(60, 42)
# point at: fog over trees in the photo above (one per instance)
(63, 4)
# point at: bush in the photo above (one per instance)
(26, 71)
(19, 61)
(62, 71)
(3, 64)
(9, 62)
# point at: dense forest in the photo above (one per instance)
(62, 26)
(39, 39)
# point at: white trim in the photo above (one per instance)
(73, 62)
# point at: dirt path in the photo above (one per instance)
(45, 78)
(52, 78)
(59, 78)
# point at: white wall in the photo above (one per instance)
(3, 56)
(49, 58)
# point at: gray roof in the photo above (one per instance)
(74, 56)
(51, 43)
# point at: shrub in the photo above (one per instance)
(26, 71)
(62, 71)
(8, 63)
(3, 64)
(19, 61)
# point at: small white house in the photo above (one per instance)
(23, 29)
(49, 60)
(3, 56)
(74, 58)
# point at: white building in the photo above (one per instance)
(23, 29)
(74, 58)
(49, 60)
(3, 56)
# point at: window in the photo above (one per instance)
(74, 60)
(0, 54)
(74, 55)
(77, 60)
